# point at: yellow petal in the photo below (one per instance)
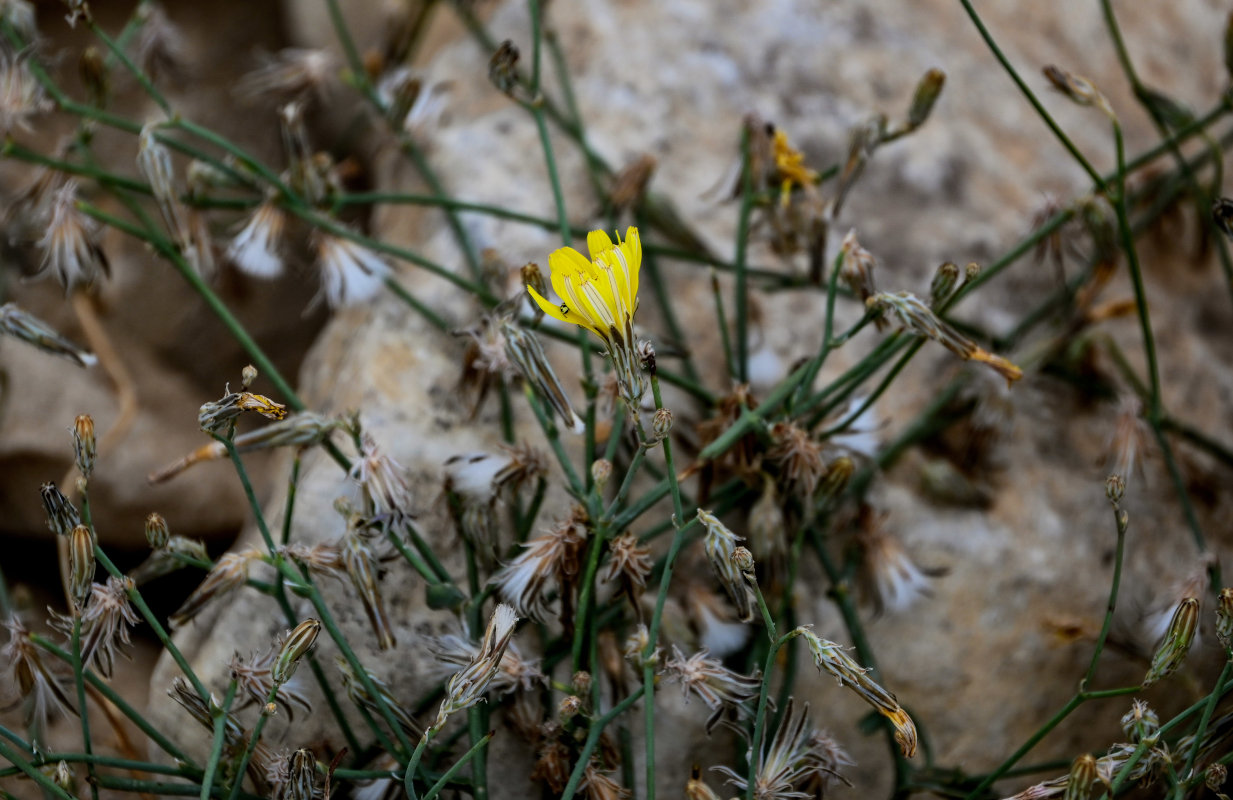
(632, 248)
(568, 315)
(598, 242)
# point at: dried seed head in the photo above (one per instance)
(154, 161)
(62, 515)
(159, 46)
(1140, 723)
(888, 575)
(720, 544)
(1079, 89)
(85, 449)
(361, 566)
(33, 331)
(503, 68)
(945, 281)
(1083, 776)
(292, 74)
(1224, 618)
(580, 682)
(661, 423)
(351, 274)
(70, 242)
(254, 250)
(217, 415)
(358, 694)
(636, 647)
(858, 267)
(799, 458)
(1214, 776)
(552, 765)
(601, 472)
(915, 316)
(105, 623)
(630, 561)
(81, 565)
(531, 275)
(255, 679)
(297, 645)
(714, 684)
(229, 573)
(926, 95)
(1175, 646)
(41, 688)
(551, 557)
(247, 375)
(383, 483)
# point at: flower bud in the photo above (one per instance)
(248, 375)
(95, 75)
(81, 565)
(661, 423)
(601, 471)
(945, 280)
(157, 531)
(533, 278)
(1176, 642)
(66, 779)
(301, 776)
(971, 272)
(84, 447)
(503, 68)
(1224, 618)
(298, 643)
(581, 682)
(1078, 89)
(1214, 777)
(743, 560)
(1115, 488)
(62, 515)
(569, 707)
(926, 95)
(1083, 774)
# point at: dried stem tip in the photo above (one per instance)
(1078, 89)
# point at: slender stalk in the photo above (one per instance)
(220, 729)
(449, 774)
(82, 711)
(739, 261)
(1112, 604)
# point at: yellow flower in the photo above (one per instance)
(600, 294)
(790, 164)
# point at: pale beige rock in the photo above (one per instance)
(977, 663)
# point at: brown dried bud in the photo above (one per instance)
(581, 682)
(1141, 723)
(601, 471)
(1083, 775)
(1078, 89)
(1115, 488)
(661, 423)
(503, 68)
(569, 707)
(743, 560)
(248, 375)
(62, 515)
(81, 565)
(157, 531)
(1214, 776)
(84, 447)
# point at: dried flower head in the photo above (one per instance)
(720, 544)
(599, 785)
(21, 96)
(799, 458)
(217, 415)
(229, 573)
(516, 674)
(351, 274)
(359, 694)
(294, 73)
(526, 353)
(70, 242)
(890, 578)
(858, 267)
(39, 687)
(601, 295)
(254, 250)
(1224, 618)
(629, 561)
(1078, 89)
(255, 679)
(718, 687)
(467, 686)
(552, 764)
(361, 565)
(915, 316)
(830, 657)
(550, 557)
(383, 484)
(105, 623)
(1130, 435)
(32, 330)
(788, 762)
(159, 46)
(1141, 723)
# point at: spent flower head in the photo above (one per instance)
(350, 272)
(21, 96)
(601, 295)
(720, 544)
(467, 686)
(70, 242)
(32, 330)
(718, 687)
(254, 250)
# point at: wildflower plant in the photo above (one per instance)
(569, 619)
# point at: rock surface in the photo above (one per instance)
(979, 663)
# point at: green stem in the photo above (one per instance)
(597, 727)
(45, 783)
(739, 260)
(1113, 589)
(82, 713)
(449, 774)
(220, 728)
